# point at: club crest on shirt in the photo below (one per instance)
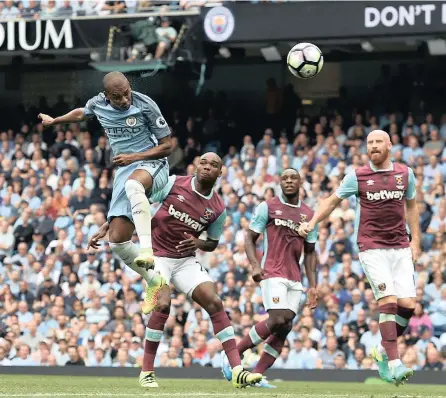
(303, 218)
(208, 213)
(130, 121)
(276, 300)
(399, 179)
(382, 287)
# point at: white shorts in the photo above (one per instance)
(281, 294)
(184, 273)
(390, 272)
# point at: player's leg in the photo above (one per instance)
(148, 177)
(274, 343)
(377, 265)
(404, 280)
(280, 322)
(262, 330)
(120, 235)
(193, 280)
(206, 296)
(155, 327)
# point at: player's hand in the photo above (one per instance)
(257, 274)
(124, 159)
(415, 252)
(47, 120)
(94, 240)
(188, 245)
(313, 297)
(304, 229)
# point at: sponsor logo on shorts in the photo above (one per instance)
(186, 219)
(130, 121)
(384, 194)
(382, 287)
(286, 223)
(276, 300)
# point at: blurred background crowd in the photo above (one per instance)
(48, 9)
(63, 305)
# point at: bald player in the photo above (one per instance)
(140, 141)
(385, 191)
(188, 207)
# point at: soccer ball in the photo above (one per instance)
(305, 60)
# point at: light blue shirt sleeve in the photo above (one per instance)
(313, 235)
(348, 187)
(90, 106)
(259, 219)
(411, 190)
(216, 228)
(157, 124)
(161, 195)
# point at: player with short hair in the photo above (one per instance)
(189, 206)
(279, 272)
(140, 141)
(384, 191)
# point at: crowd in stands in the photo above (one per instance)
(63, 305)
(47, 9)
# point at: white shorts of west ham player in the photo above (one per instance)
(281, 294)
(390, 272)
(184, 273)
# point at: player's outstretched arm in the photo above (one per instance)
(325, 209)
(75, 116)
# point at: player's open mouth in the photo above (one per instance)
(373, 152)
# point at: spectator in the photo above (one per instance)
(166, 36)
(10, 11)
(75, 359)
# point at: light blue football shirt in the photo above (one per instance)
(136, 129)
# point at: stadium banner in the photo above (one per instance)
(306, 20)
(57, 34)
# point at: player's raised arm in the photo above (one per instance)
(413, 217)
(75, 116)
(256, 227)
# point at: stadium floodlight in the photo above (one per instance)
(271, 54)
(367, 46)
(436, 47)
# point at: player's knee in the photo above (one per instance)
(278, 323)
(214, 305)
(133, 187)
(163, 306)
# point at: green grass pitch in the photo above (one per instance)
(75, 386)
